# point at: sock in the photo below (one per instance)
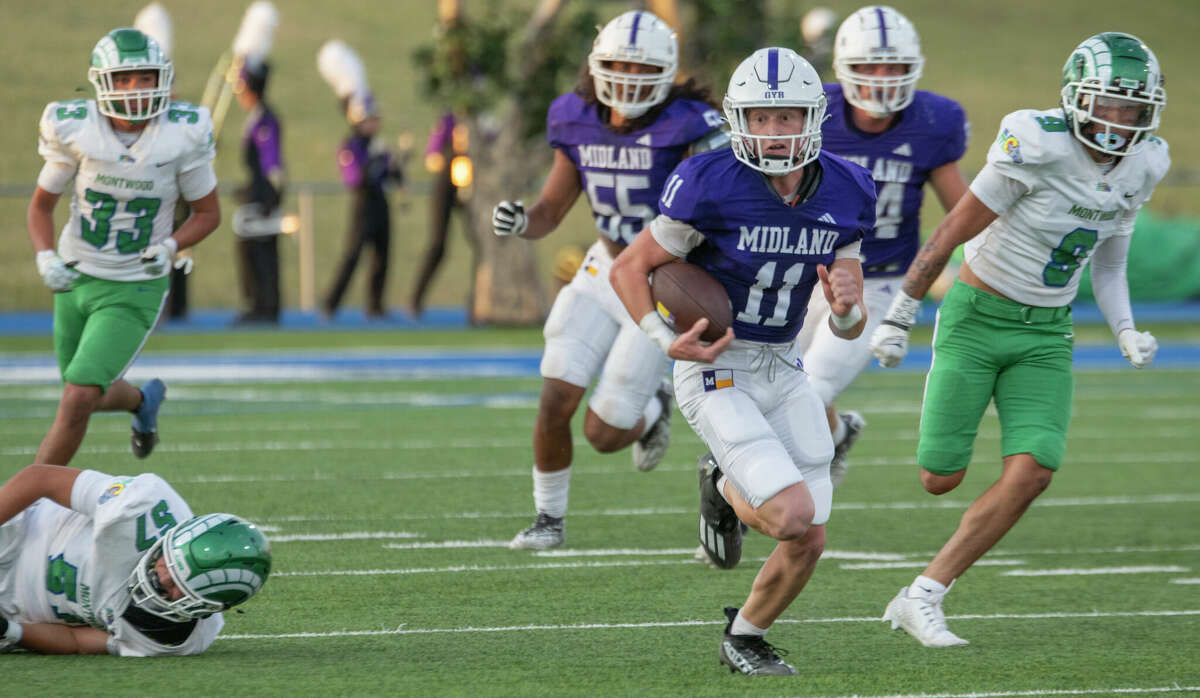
(721, 487)
(651, 414)
(550, 491)
(741, 626)
(839, 432)
(926, 588)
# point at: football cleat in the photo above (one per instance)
(546, 532)
(721, 531)
(751, 654)
(649, 450)
(854, 425)
(145, 419)
(923, 619)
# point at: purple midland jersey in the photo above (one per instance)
(932, 132)
(762, 250)
(623, 173)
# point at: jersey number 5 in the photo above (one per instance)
(96, 231)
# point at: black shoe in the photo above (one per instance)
(144, 436)
(721, 531)
(751, 654)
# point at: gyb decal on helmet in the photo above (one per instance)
(775, 78)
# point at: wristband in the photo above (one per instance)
(654, 326)
(12, 633)
(903, 312)
(172, 246)
(850, 319)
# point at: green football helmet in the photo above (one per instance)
(217, 560)
(1112, 86)
(128, 49)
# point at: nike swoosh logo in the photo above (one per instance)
(162, 164)
(1068, 336)
(1129, 196)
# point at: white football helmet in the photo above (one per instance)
(127, 49)
(775, 77)
(874, 35)
(634, 37)
(1110, 72)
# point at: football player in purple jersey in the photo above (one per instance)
(771, 218)
(616, 137)
(905, 137)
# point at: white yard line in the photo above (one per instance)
(401, 630)
(1088, 571)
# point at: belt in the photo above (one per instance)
(995, 306)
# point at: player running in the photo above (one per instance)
(132, 153)
(616, 137)
(1061, 187)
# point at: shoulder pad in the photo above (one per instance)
(565, 111)
(1157, 154)
(193, 121)
(62, 120)
(1030, 137)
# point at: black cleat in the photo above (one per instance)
(144, 434)
(721, 531)
(751, 654)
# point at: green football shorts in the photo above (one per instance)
(101, 325)
(987, 347)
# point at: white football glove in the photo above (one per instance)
(56, 273)
(508, 218)
(156, 259)
(1138, 347)
(889, 343)
(184, 263)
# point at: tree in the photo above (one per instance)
(498, 73)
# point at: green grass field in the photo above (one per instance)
(992, 57)
(390, 503)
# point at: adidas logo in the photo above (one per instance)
(904, 149)
(826, 218)
(644, 140)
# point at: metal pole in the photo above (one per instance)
(308, 286)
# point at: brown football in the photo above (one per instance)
(683, 293)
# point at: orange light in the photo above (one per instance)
(290, 224)
(461, 171)
(461, 138)
(434, 162)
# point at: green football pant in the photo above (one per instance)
(101, 325)
(984, 348)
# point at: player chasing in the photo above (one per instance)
(132, 153)
(1061, 187)
(101, 564)
(905, 137)
(746, 394)
(616, 137)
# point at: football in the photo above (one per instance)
(683, 293)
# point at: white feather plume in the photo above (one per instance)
(254, 37)
(154, 22)
(342, 69)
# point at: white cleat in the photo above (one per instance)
(854, 425)
(545, 533)
(649, 450)
(923, 619)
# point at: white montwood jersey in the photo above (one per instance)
(124, 197)
(72, 566)
(1035, 252)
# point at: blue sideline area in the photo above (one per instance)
(41, 323)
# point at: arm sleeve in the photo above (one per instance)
(204, 145)
(996, 190)
(851, 250)
(55, 176)
(1109, 283)
(90, 486)
(196, 182)
(676, 237)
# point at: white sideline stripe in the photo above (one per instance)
(1079, 571)
(920, 563)
(401, 630)
(1043, 692)
(827, 555)
(485, 568)
(1186, 580)
(359, 535)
